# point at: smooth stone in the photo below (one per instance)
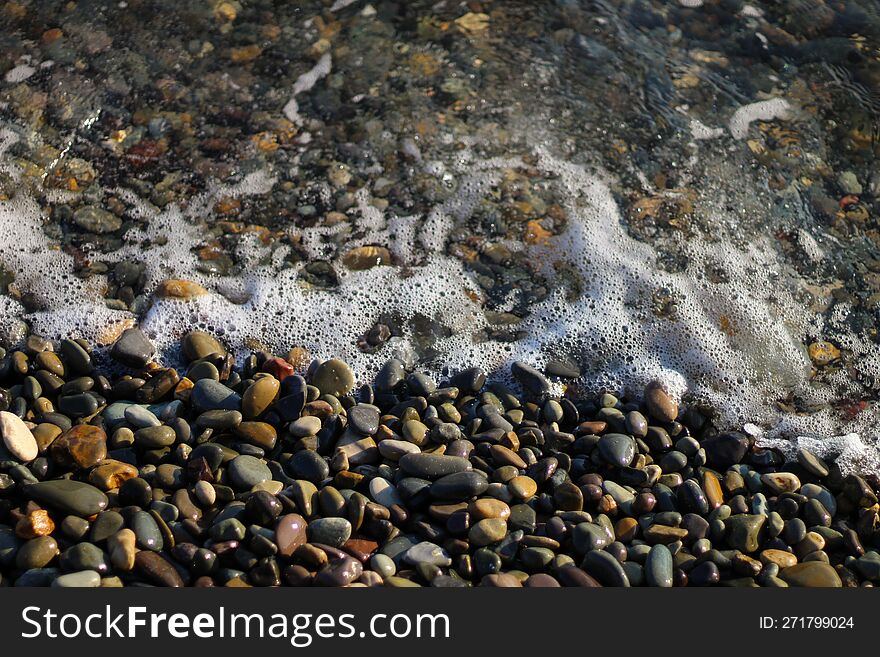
(488, 508)
(781, 482)
(290, 533)
(198, 344)
(383, 564)
(433, 466)
(329, 531)
(68, 496)
(333, 377)
(781, 558)
(523, 487)
(617, 449)
(85, 556)
(308, 465)
(815, 491)
(17, 438)
(429, 553)
(155, 437)
(744, 530)
(530, 378)
(210, 395)
(140, 416)
(459, 486)
(659, 566)
(82, 446)
(704, 574)
(105, 525)
(219, 420)
(79, 579)
(811, 574)
(77, 358)
(305, 426)
(605, 568)
(133, 348)
(78, 405)
(812, 463)
(157, 569)
(869, 565)
(364, 419)
(146, 531)
(415, 432)
(659, 404)
(383, 492)
(393, 450)
(487, 531)
(36, 553)
(587, 537)
(259, 396)
(228, 529)
(725, 450)
(247, 471)
(339, 572)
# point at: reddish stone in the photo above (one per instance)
(360, 548)
(278, 367)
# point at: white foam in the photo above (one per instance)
(304, 83)
(700, 130)
(763, 110)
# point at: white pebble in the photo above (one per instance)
(17, 438)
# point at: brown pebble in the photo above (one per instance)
(36, 523)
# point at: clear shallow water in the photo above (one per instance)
(641, 189)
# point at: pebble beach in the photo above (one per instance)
(457, 293)
(266, 475)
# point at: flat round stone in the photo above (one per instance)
(364, 419)
(155, 437)
(333, 377)
(329, 531)
(523, 487)
(247, 471)
(309, 465)
(487, 531)
(140, 416)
